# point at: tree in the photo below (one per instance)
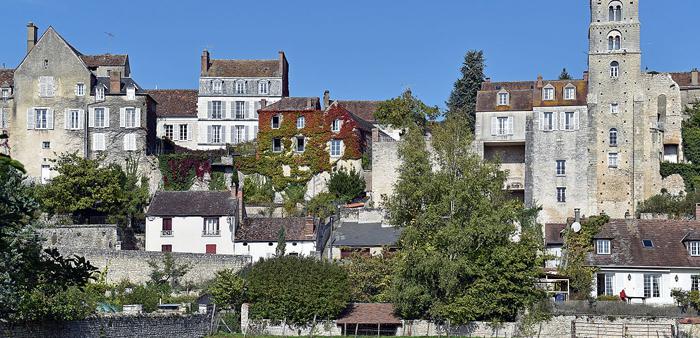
(346, 185)
(457, 259)
(296, 290)
(170, 273)
(564, 75)
(577, 246)
(227, 289)
(293, 196)
(371, 277)
(258, 190)
(404, 111)
(322, 205)
(462, 102)
(281, 242)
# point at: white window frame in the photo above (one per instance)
(548, 93)
(240, 87)
(303, 144)
(613, 137)
(561, 168)
(614, 70)
(73, 119)
(100, 115)
(239, 109)
(5, 93)
(239, 134)
(263, 87)
(603, 246)
(131, 93)
(336, 125)
(694, 248)
(503, 98)
(100, 93)
(504, 125)
(609, 283)
(217, 134)
(210, 226)
(561, 194)
(549, 122)
(614, 108)
(277, 149)
(79, 89)
(301, 122)
(217, 86)
(695, 283)
(652, 285)
(45, 120)
(217, 110)
(168, 131)
(613, 160)
(130, 117)
(336, 148)
(279, 121)
(569, 93)
(183, 127)
(570, 121)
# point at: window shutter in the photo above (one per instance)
(257, 107)
(234, 135)
(246, 109)
(94, 142)
(106, 117)
(30, 118)
(494, 125)
(138, 118)
(223, 110)
(555, 120)
(122, 117)
(189, 132)
(562, 121)
(202, 133)
(132, 142)
(510, 125)
(576, 120)
(126, 142)
(209, 134)
(81, 118)
(209, 109)
(541, 116)
(223, 134)
(66, 119)
(50, 87)
(49, 119)
(245, 135)
(91, 117)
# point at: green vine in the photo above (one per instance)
(180, 170)
(577, 246)
(218, 181)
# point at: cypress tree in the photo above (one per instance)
(462, 101)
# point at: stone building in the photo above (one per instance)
(230, 94)
(176, 112)
(6, 106)
(69, 102)
(594, 144)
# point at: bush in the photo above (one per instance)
(346, 185)
(675, 206)
(609, 298)
(218, 181)
(227, 289)
(371, 277)
(293, 195)
(257, 190)
(297, 290)
(322, 205)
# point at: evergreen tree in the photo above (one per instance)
(281, 242)
(462, 102)
(564, 75)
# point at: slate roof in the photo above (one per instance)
(520, 100)
(559, 85)
(294, 104)
(7, 77)
(627, 249)
(267, 229)
(369, 313)
(353, 234)
(125, 82)
(243, 68)
(552, 233)
(192, 203)
(94, 61)
(175, 102)
(525, 94)
(363, 109)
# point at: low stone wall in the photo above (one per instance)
(115, 326)
(79, 237)
(133, 265)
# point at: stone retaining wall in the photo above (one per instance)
(79, 237)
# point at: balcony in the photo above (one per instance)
(211, 233)
(166, 233)
(516, 175)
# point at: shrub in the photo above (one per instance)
(218, 181)
(293, 195)
(346, 185)
(227, 289)
(609, 298)
(322, 205)
(257, 190)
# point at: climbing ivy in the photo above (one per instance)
(180, 170)
(577, 246)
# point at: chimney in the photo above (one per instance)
(539, 82)
(585, 76)
(577, 215)
(326, 99)
(115, 82)
(309, 228)
(375, 134)
(31, 36)
(282, 61)
(694, 77)
(697, 211)
(308, 103)
(263, 103)
(205, 61)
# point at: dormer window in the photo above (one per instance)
(694, 248)
(548, 93)
(263, 88)
(570, 92)
(240, 87)
(216, 87)
(647, 243)
(602, 246)
(503, 98)
(100, 93)
(131, 93)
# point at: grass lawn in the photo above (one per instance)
(239, 335)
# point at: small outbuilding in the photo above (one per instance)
(369, 319)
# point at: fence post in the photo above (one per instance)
(573, 329)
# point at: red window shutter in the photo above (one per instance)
(211, 248)
(167, 224)
(166, 248)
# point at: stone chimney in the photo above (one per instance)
(326, 99)
(309, 228)
(697, 211)
(540, 84)
(205, 61)
(31, 36)
(263, 103)
(585, 76)
(308, 103)
(694, 77)
(115, 82)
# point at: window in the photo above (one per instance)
(167, 227)
(301, 122)
(100, 93)
(647, 243)
(503, 126)
(548, 93)
(615, 11)
(614, 108)
(548, 121)
(240, 87)
(694, 248)
(216, 110)
(210, 249)
(276, 145)
(5, 93)
(614, 69)
(100, 120)
(276, 120)
(605, 284)
(46, 64)
(652, 286)
(569, 121)
(612, 160)
(211, 227)
(80, 89)
(613, 137)
(73, 119)
(570, 93)
(503, 99)
(263, 87)
(46, 145)
(602, 246)
(335, 127)
(41, 118)
(301, 144)
(561, 195)
(3, 118)
(239, 134)
(216, 87)
(168, 131)
(45, 173)
(336, 150)
(166, 248)
(561, 167)
(214, 134)
(46, 86)
(98, 142)
(130, 142)
(131, 118)
(240, 109)
(694, 282)
(184, 135)
(131, 93)
(614, 41)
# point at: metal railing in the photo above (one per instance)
(211, 233)
(166, 233)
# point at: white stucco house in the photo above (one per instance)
(258, 237)
(176, 112)
(647, 258)
(192, 221)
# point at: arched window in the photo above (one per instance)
(614, 69)
(615, 11)
(614, 40)
(613, 137)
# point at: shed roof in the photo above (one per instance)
(192, 203)
(369, 313)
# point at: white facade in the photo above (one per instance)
(191, 234)
(632, 280)
(184, 130)
(258, 250)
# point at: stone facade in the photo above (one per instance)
(78, 237)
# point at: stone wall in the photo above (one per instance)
(80, 237)
(115, 326)
(385, 165)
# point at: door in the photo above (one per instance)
(45, 173)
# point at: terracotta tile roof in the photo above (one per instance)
(267, 229)
(363, 109)
(192, 203)
(669, 248)
(525, 94)
(294, 104)
(175, 102)
(369, 313)
(94, 61)
(7, 77)
(683, 79)
(552, 233)
(243, 68)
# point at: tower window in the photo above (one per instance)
(614, 41)
(615, 11)
(613, 137)
(614, 69)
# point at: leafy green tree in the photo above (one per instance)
(371, 277)
(346, 185)
(297, 290)
(577, 246)
(322, 205)
(293, 196)
(227, 289)
(457, 259)
(281, 242)
(462, 102)
(564, 75)
(404, 111)
(169, 273)
(257, 190)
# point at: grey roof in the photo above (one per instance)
(355, 234)
(126, 81)
(294, 104)
(192, 203)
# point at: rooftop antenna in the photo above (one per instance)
(110, 38)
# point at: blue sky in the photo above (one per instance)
(358, 49)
